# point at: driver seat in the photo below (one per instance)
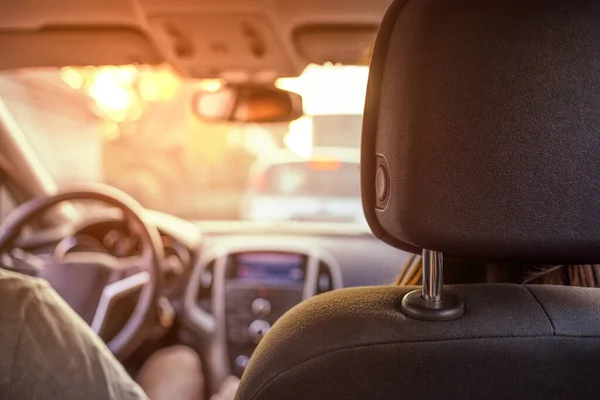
(480, 142)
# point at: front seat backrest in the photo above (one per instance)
(480, 141)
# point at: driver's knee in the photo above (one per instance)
(173, 373)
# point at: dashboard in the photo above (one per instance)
(230, 281)
(239, 290)
(249, 274)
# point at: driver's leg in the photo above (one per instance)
(173, 373)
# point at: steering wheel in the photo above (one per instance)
(84, 279)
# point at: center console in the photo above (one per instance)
(244, 290)
(259, 288)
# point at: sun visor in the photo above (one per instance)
(481, 132)
(68, 46)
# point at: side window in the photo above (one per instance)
(7, 201)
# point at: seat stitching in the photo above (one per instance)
(543, 309)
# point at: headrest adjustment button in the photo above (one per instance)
(381, 183)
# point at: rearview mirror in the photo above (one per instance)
(247, 103)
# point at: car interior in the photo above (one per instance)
(478, 148)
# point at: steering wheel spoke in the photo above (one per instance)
(111, 295)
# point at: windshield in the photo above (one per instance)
(313, 178)
(132, 128)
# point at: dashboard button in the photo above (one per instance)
(241, 362)
(258, 329)
(261, 307)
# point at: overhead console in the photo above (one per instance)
(232, 46)
(237, 294)
(260, 40)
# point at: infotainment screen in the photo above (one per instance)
(271, 268)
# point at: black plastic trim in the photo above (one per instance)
(369, 129)
(450, 308)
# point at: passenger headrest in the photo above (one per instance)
(481, 135)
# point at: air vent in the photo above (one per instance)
(207, 278)
(324, 279)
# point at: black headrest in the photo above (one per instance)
(481, 135)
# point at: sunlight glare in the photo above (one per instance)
(299, 138)
(209, 85)
(108, 94)
(126, 75)
(72, 77)
(330, 89)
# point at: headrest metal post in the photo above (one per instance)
(433, 275)
(430, 303)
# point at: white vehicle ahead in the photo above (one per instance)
(321, 187)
